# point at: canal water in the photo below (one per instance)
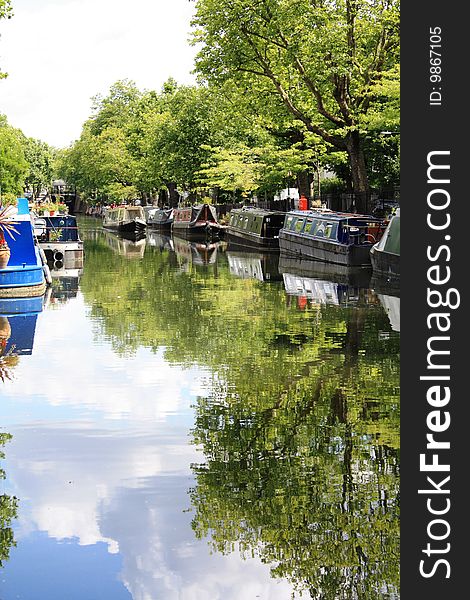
(196, 423)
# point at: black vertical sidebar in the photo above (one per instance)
(435, 172)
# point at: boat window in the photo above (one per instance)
(292, 223)
(330, 230)
(308, 225)
(320, 228)
(299, 225)
(288, 222)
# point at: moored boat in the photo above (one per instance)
(334, 237)
(385, 255)
(59, 238)
(158, 218)
(125, 219)
(255, 227)
(197, 222)
(23, 275)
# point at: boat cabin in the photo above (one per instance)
(192, 215)
(343, 228)
(257, 221)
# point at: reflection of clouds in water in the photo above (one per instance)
(125, 486)
(139, 388)
(129, 490)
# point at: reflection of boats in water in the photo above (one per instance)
(388, 291)
(322, 283)
(18, 325)
(159, 240)
(197, 253)
(130, 248)
(262, 266)
(353, 276)
(391, 305)
(65, 284)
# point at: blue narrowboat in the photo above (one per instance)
(333, 237)
(23, 276)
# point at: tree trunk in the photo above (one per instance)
(357, 163)
(174, 196)
(303, 183)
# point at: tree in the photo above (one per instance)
(13, 165)
(321, 60)
(6, 12)
(40, 159)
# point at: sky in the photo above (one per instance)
(60, 53)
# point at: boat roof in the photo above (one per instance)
(258, 211)
(330, 214)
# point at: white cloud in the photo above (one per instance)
(61, 53)
(57, 374)
(128, 492)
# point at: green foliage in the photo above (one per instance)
(321, 62)
(40, 158)
(13, 164)
(8, 512)
(6, 12)
(300, 425)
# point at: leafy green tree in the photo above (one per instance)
(321, 60)
(13, 164)
(6, 12)
(40, 158)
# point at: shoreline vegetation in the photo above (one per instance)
(287, 93)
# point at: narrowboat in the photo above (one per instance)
(59, 239)
(197, 222)
(23, 276)
(255, 227)
(263, 266)
(327, 236)
(159, 218)
(385, 255)
(126, 219)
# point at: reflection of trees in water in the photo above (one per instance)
(309, 481)
(8, 512)
(300, 431)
